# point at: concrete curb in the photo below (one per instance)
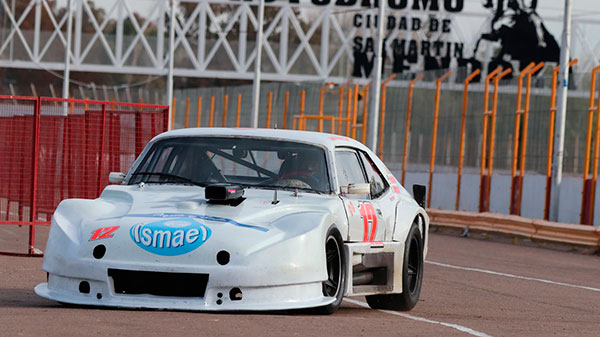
(533, 229)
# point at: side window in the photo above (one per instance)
(378, 184)
(349, 170)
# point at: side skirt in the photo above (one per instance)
(374, 267)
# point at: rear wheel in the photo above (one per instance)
(335, 284)
(412, 277)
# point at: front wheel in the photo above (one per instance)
(335, 284)
(412, 277)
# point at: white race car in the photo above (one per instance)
(242, 219)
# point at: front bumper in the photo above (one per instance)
(226, 298)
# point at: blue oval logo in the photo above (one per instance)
(170, 237)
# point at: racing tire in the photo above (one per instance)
(335, 285)
(412, 277)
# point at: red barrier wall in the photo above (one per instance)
(53, 149)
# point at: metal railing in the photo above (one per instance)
(52, 149)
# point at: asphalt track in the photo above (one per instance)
(472, 287)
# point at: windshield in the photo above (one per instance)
(249, 162)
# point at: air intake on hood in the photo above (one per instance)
(224, 194)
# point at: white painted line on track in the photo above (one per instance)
(421, 319)
(512, 276)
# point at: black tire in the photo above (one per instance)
(335, 285)
(412, 277)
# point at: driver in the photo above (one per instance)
(304, 170)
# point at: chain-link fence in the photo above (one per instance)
(423, 106)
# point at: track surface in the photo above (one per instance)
(471, 287)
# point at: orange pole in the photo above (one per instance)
(438, 92)
(354, 111)
(225, 104)
(463, 122)
(212, 112)
(595, 166)
(301, 118)
(286, 101)
(493, 134)
(199, 112)
(341, 106)
(321, 98)
(238, 111)
(517, 131)
(407, 124)
(381, 123)
(382, 117)
(365, 113)
(321, 101)
(348, 112)
(332, 118)
(173, 113)
(187, 112)
(589, 128)
(585, 199)
(524, 137)
(486, 114)
(551, 140)
(269, 108)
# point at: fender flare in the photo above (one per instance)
(406, 215)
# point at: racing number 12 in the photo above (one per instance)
(103, 233)
(367, 212)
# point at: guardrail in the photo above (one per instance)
(533, 229)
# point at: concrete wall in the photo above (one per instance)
(534, 185)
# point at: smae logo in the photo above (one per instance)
(170, 237)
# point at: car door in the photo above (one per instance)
(367, 221)
(382, 196)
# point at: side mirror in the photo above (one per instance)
(359, 188)
(419, 192)
(116, 177)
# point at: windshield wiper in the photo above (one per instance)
(284, 188)
(168, 175)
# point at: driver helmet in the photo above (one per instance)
(307, 164)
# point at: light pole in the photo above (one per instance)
(67, 72)
(373, 121)
(171, 61)
(559, 135)
(256, 81)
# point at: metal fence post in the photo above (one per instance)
(34, 171)
(514, 179)
(461, 151)
(586, 199)
(438, 92)
(102, 140)
(493, 134)
(382, 116)
(486, 114)
(407, 124)
(525, 130)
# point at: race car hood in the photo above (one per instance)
(175, 225)
(257, 210)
